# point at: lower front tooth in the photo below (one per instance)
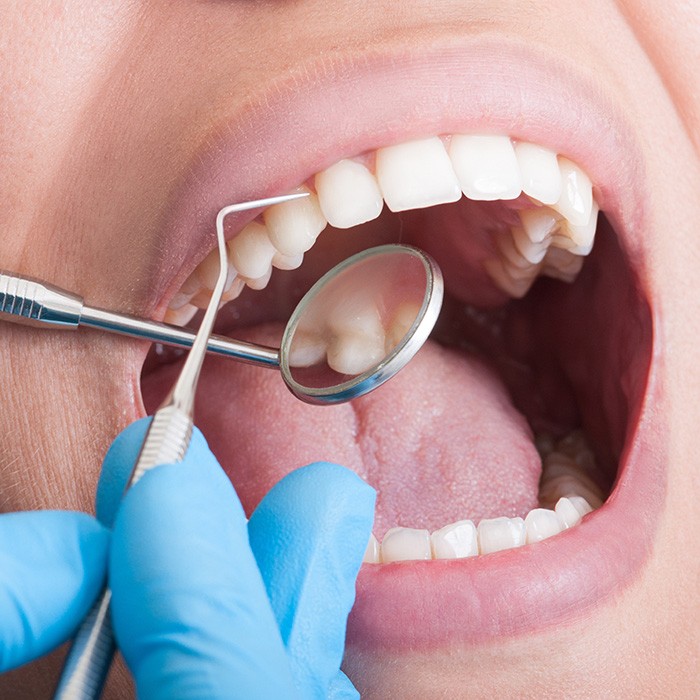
(561, 265)
(568, 514)
(373, 553)
(540, 524)
(294, 226)
(405, 544)
(181, 316)
(496, 534)
(455, 541)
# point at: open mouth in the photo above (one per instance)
(511, 448)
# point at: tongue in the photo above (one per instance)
(440, 442)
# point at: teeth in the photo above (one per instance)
(455, 541)
(405, 543)
(486, 167)
(416, 174)
(497, 534)
(576, 200)
(403, 319)
(348, 194)
(181, 316)
(307, 350)
(539, 171)
(294, 226)
(552, 238)
(541, 523)
(373, 553)
(568, 513)
(251, 252)
(354, 353)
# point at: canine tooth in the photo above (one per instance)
(455, 541)
(287, 262)
(576, 200)
(582, 237)
(294, 226)
(496, 534)
(539, 171)
(405, 544)
(416, 174)
(251, 251)
(568, 514)
(486, 166)
(581, 505)
(181, 316)
(373, 551)
(348, 194)
(541, 523)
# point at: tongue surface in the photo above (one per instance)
(440, 442)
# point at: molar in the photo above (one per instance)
(486, 167)
(416, 174)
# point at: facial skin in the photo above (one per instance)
(103, 112)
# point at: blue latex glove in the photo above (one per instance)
(52, 566)
(196, 616)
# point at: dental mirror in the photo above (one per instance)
(360, 324)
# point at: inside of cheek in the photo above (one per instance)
(452, 436)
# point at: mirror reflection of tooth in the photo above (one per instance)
(400, 324)
(539, 171)
(294, 226)
(181, 316)
(307, 349)
(287, 262)
(251, 251)
(576, 201)
(354, 353)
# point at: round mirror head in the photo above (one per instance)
(360, 324)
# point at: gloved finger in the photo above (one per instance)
(52, 566)
(189, 607)
(116, 469)
(309, 535)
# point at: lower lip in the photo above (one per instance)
(427, 605)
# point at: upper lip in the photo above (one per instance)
(474, 85)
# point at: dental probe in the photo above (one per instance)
(168, 437)
(44, 305)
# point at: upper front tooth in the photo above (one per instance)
(348, 194)
(251, 251)
(486, 167)
(416, 174)
(582, 237)
(539, 171)
(405, 544)
(455, 541)
(294, 226)
(496, 534)
(287, 262)
(576, 200)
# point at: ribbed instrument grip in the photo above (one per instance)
(87, 663)
(39, 302)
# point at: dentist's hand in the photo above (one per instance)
(206, 606)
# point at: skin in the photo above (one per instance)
(101, 111)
